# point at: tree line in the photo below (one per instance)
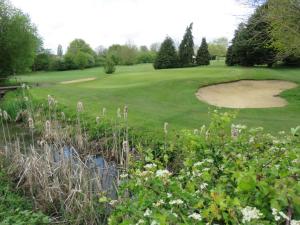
(270, 36)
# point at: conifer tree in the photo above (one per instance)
(186, 48)
(203, 56)
(166, 56)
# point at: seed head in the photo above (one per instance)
(125, 112)
(97, 120)
(119, 113)
(103, 111)
(30, 123)
(79, 107)
(5, 115)
(48, 127)
(166, 127)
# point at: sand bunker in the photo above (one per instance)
(246, 94)
(78, 80)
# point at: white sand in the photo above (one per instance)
(78, 81)
(246, 94)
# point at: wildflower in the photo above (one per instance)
(79, 107)
(275, 214)
(206, 169)
(250, 213)
(23, 86)
(203, 186)
(196, 216)
(174, 214)
(159, 203)
(154, 222)
(97, 120)
(124, 175)
(295, 222)
(140, 222)
(125, 112)
(30, 123)
(169, 195)
(148, 212)
(198, 164)
(119, 113)
(150, 166)
(176, 202)
(166, 128)
(26, 99)
(162, 173)
(113, 202)
(284, 216)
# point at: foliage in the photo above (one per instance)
(60, 52)
(123, 54)
(220, 174)
(167, 56)
(18, 40)
(15, 209)
(203, 55)
(79, 55)
(43, 60)
(109, 66)
(218, 47)
(186, 48)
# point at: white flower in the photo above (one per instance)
(250, 213)
(23, 86)
(79, 107)
(140, 222)
(196, 216)
(284, 216)
(124, 175)
(113, 202)
(295, 222)
(203, 186)
(26, 99)
(206, 169)
(159, 203)
(154, 222)
(150, 166)
(169, 195)
(198, 164)
(148, 212)
(162, 173)
(275, 214)
(176, 202)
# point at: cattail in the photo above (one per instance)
(166, 128)
(79, 107)
(30, 123)
(5, 115)
(97, 120)
(119, 113)
(103, 111)
(48, 127)
(63, 116)
(125, 112)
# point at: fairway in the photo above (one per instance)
(154, 97)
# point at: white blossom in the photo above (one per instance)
(284, 216)
(250, 213)
(295, 222)
(159, 203)
(196, 216)
(275, 214)
(154, 222)
(162, 173)
(140, 222)
(169, 195)
(203, 186)
(148, 212)
(150, 166)
(124, 175)
(176, 202)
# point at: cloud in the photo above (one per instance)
(104, 22)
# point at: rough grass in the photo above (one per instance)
(155, 97)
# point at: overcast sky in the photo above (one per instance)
(105, 22)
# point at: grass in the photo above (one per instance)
(155, 97)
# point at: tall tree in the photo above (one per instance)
(203, 55)
(186, 48)
(19, 40)
(60, 51)
(166, 56)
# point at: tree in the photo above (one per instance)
(218, 47)
(166, 56)
(109, 66)
(19, 40)
(60, 51)
(203, 56)
(79, 55)
(186, 48)
(42, 60)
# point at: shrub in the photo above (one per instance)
(109, 66)
(167, 56)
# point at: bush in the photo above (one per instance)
(167, 56)
(222, 174)
(109, 66)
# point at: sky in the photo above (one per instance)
(140, 22)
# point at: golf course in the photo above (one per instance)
(157, 96)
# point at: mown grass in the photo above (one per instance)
(155, 97)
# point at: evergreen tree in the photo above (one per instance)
(186, 48)
(166, 56)
(203, 55)
(59, 51)
(229, 57)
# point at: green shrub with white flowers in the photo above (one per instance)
(219, 174)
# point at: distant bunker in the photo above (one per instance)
(246, 94)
